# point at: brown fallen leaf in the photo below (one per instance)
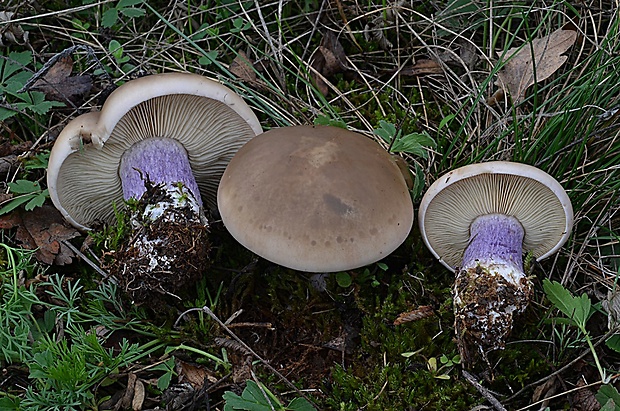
(532, 63)
(243, 68)
(584, 399)
(138, 396)
(11, 33)
(329, 59)
(421, 312)
(58, 84)
(422, 67)
(44, 230)
(194, 374)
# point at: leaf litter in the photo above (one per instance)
(44, 231)
(532, 63)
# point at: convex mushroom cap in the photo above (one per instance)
(524, 192)
(316, 199)
(209, 120)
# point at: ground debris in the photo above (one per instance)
(424, 311)
(243, 68)
(167, 250)
(11, 33)
(44, 230)
(58, 83)
(532, 63)
(584, 399)
(328, 60)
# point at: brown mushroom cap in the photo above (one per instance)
(207, 118)
(316, 199)
(525, 192)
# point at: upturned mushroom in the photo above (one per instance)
(165, 141)
(315, 199)
(479, 220)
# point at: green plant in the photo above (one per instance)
(608, 397)
(17, 322)
(578, 311)
(258, 398)
(412, 143)
(13, 77)
(439, 367)
(123, 7)
(168, 368)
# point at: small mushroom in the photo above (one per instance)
(315, 199)
(479, 220)
(164, 140)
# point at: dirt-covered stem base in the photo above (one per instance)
(168, 245)
(491, 288)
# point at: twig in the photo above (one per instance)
(258, 357)
(88, 261)
(484, 392)
(49, 63)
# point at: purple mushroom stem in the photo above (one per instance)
(161, 161)
(495, 240)
(491, 287)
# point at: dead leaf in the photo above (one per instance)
(59, 85)
(422, 67)
(196, 375)
(11, 33)
(44, 230)
(243, 68)
(584, 399)
(138, 396)
(421, 312)
(533, 63)
(546, 390)
(329, 59)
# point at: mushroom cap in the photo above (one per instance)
(315, 199)
(525, 192)
(207, 118)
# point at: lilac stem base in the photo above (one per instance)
(157, 160)
(491, 288)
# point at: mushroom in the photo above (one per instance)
(478, 220)
(165, 141)
(315, 199)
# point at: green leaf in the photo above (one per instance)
(343, 279)
(576, 308)
(606, 394)
(133, 12)
(613, 342)
(115, 49)
(251, 399)
(418, 182)
(610, 405)
(17, 61)
(445, 121)
(300, 404)
(208, 58)
(163, 382)
(128, 3)
(386, 130)
(414, 143)
(109, 17)
(8, 404)
(323, 120)
(37, 201)
(5, 113)
(16, 202)
(24, 187)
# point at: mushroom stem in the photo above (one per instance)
(170, 229)
(158, 160)
(491, 287)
